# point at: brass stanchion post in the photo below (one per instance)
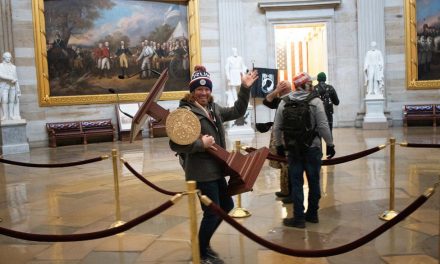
(390, 214)
(116, 185)
(239, 212)
(191, 186)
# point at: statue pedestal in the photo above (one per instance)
(374, 115)
(241, 126)
(13, 137)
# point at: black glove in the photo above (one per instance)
(330, 152)
(263, 127)
(280, 151)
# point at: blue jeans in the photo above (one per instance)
(311, 164)
(216, 191)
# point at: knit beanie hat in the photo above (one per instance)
(301, 79)
(200, 77)
(321, 77)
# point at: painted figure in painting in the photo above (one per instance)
(123, 52)
(105, 60)
(428, 39)
(146, 56)
(10, 89)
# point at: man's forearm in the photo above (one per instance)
(270, 97)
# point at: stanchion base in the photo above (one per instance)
(388, 215)
(239, 213)
(117, 223)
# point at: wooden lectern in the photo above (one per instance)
(150, 107)
(243, 169)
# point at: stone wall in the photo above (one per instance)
(343, 68)
(397, 93)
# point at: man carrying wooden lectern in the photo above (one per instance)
(199, 165)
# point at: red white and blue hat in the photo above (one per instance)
(200, 77)
(301, 78)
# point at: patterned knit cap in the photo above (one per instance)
(200, 77)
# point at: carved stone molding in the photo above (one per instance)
(6, 42)
(300, 4)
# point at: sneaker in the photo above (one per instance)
(287, 200)
(281, 194)
(294, 222)
(211, 260)
(211, 252)
(312, 218)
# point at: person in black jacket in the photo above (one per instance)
(328, 96)
(202, 167)
(272, 101)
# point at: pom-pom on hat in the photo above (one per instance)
(301, 79)
(200, 77)
(321, 77)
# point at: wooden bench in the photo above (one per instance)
(79, 131)
(421, 114)
(97, 129)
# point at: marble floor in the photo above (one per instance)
(83, 199)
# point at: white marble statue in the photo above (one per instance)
(9, 89)
(373, 71)
(234, 67)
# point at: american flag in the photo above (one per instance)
(281, 56)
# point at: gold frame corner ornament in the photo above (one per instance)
(42, 72)
(411, 59)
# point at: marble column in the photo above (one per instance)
(6, 41)
(371, 27)
(231, 28)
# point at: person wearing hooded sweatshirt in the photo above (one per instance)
(200, 166)
(310, 161)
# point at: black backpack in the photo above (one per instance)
(298, 130)
(324, 94)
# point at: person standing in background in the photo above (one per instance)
(328, 96)
(272, 101)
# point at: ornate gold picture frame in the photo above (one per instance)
(422, 30)
(70, 70)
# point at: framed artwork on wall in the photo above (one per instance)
(85, 48)
(422, 29)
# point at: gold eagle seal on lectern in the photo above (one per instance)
(183, 126)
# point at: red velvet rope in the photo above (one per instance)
(58, 165)
(87, 236)
(326, 162)
(147, 182)
(308, 253)
(420, 145)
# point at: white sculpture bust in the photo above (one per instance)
(233, 68)
(373, 71)
(9, 89)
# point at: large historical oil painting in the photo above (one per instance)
(90, 46)
(423, 44)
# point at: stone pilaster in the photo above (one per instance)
(371, 27)
(6, 40)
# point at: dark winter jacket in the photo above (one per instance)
(198, 164)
